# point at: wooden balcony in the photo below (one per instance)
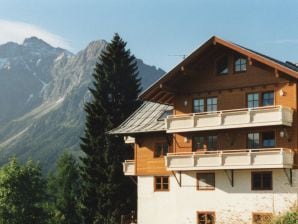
(129, 168)
(231, 159)
(225, 119)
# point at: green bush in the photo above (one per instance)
(288, 218)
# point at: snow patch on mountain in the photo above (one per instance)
(4, 63)
(29, 98)
(38, 62)
(14, 137)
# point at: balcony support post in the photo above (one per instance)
(289, 175)
(179, 180)
(230, 175)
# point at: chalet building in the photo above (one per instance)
(215, 140)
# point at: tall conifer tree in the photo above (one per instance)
(106, 192)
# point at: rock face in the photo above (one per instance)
(42, 94)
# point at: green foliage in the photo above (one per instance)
(22, 194)
(290, 217)
(106, 192)
(64, 187)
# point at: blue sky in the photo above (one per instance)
(156, 29)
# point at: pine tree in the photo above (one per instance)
(106, 192)
(64, 188)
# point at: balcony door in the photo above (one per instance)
(257, 140)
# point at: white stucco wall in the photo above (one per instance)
(231, 204)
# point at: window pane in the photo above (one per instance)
(252, 100)
(261, 180)
(268, 99)
(161, 183)
(256, 181)
(212, 104)
(202, 219)
(240, 64)
(198, 142)
(253, 140)
(206, 218)
(212, 142)
(158, 186)
(267, 181)
(158, 180)
(165, 183)
(198, 105)
(268, 139)
(210, 218)
(161, 149)
(222, 66)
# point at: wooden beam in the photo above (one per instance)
(276, 73)
(158, 94)
(169, 100)
(167, 89)
(165, 96)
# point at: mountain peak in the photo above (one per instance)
(35, 42)
(93, 49)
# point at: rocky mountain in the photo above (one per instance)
(42, 93)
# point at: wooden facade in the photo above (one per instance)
(197, 78)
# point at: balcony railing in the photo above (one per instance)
(129, 168)
(231, 159)
(238, 118)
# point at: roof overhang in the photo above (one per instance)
(164, 94)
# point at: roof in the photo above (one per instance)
(144, 119)
(287, 64)
(150, 94)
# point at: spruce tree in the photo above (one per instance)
(107, 194)
(64, 188)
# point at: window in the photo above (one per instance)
(260, 99)
(240, 64)
(198, 105)
(252, 100)
(261, 140)
(205, 181)
(268, 139)
(206, 218)
(212, 142)
(204, 142)
(161, 149)
(161, 183)
(262, 218)
(198, 142)
(222, 66)
(261, 180)
(253, 140)
(212, 104)
(268, 99)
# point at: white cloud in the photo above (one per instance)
(17, 31)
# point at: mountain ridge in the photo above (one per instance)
(43, 97)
